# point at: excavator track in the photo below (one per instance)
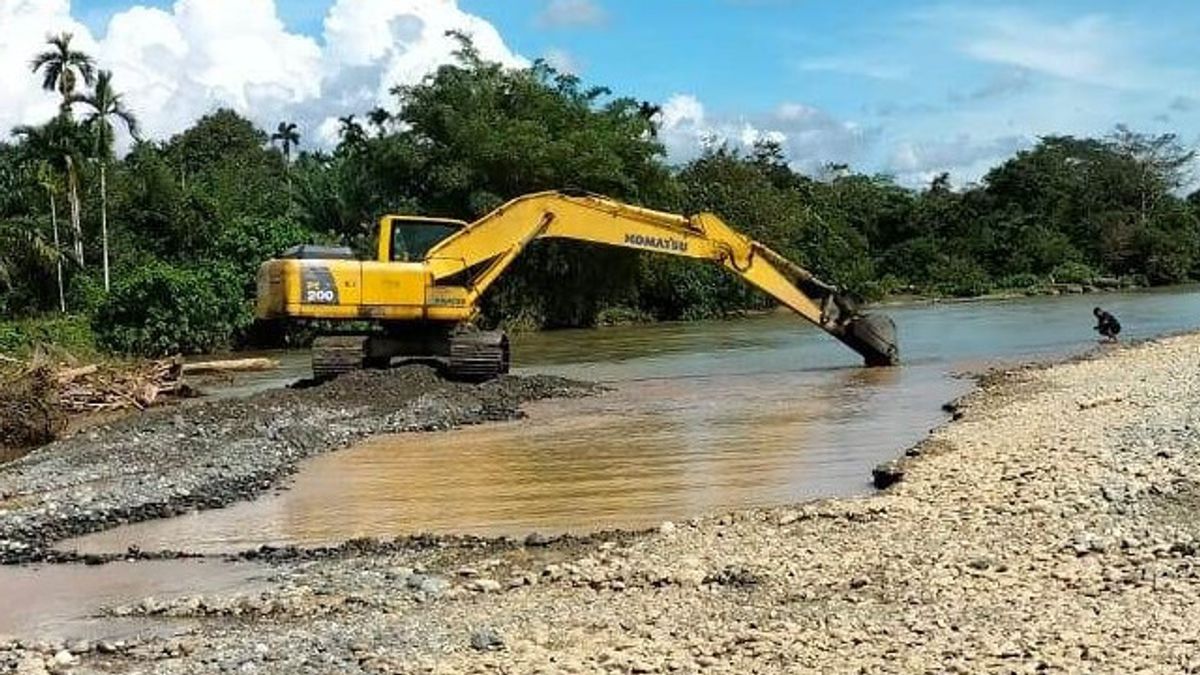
(333, 355)
(479, 355)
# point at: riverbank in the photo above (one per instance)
(1052, 526)
(207, 454)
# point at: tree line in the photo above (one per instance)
(159, 247)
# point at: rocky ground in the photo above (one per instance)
(1052, 527)
(208, 454)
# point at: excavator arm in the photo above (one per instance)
(483, 250)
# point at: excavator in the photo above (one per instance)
(420, 296)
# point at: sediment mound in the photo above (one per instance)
(29, 410)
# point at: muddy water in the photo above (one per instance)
(702, 417)
(67, 601)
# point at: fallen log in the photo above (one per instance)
(230, 366)
(71, 374)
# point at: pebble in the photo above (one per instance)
(486, 639)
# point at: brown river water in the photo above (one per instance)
(702, 417)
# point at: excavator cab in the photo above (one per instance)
(410, 238)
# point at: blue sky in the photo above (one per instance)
(910, 88)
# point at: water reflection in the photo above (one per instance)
(651, 450)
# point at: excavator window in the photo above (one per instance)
(412, 239)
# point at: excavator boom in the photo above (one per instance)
(493, 242)
(423, 290)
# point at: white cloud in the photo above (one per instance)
(24, 25)
(810, 136)
(563, 61)
(1094, 49)
(857, 65)
(918, 162)
(572, 13)
(175, 66)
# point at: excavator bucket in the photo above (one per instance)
(874, 337)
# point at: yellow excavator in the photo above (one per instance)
(420, 295)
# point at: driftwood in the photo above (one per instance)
(72, 374)
(229, 366)
(37, 398)
(91, 388)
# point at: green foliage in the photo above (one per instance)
(72, 334)
(162, 309)
(1073, 273)
(958, 277)
(1022, 281)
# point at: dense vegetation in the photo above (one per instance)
(184, 222)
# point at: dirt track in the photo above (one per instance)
(1052, 528)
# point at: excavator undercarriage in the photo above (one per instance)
(463, 353)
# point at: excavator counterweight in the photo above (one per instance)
(421, 293)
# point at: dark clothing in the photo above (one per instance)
(1107, 325)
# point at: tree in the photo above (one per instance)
(379, 118)
(62, 68)
(106, 105)
(288, 137)
(22, 246)
(45, 178)
(58, 142)
(351, 131)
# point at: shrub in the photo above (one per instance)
(1020, 281)
(959, 277)
(163, 309)
(1073, 273)
(72, 334)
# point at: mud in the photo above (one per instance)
(29, 415)
(207, 454)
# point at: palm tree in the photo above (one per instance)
(379, 117)
(45, 178)
(62, 67)
(23, 246)
(106, 105)
(56, 143)
(288, 137)
(351, 131)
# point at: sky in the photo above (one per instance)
(904, 87)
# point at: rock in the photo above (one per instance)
(667, 528)
(887, 474)
(65, 658)
(428, 584)
(31, 664)
(537, 539)
(485, 585)
(486, 640)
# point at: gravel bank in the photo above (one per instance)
(208, 454)
(1052, 527)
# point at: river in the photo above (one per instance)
(701, 417)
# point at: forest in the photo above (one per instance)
(154, 252)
